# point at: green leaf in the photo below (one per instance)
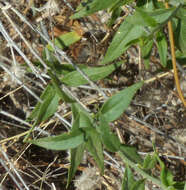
(120, 43)
(94, 146)
(162, 15)
(146, 48)
(75, 113)
(118, 103)
(89, 7)
(51, 99)
(139, 185)
(146, 62)
(109, 139)
(181, 14)
(76, 123)
(149, 5)
(56, 83)
(129, 183)
(76, 155)
(131, 153)
(180, 185)
(162, 46)
(48, 108)
(61, 142)
(128, 179)
(45, 109)
(85, 120)
(94, 73)
(182, 35)
(149, 162)
(65, 40)
(119, 3)
(165, 175)
(115, 14)
(142, 18)
(177, 2)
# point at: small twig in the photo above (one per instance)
(12, 43)
(165, 155)
(22, 121)
(11, 92)
(10, 174)
(156, 130)
(60, 52)
(15, 171)
(24, 39)
(66, 123)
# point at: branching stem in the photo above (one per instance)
(140, 171)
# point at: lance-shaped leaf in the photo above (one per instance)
(94, 73)
(61, 142)
(182, 35)
(109, 139)
(165, 175)
(92, 6)
(142, 18)
(85, 120)
(56, 83)
(118, 103)
(88, 7)
(81, 120)
(51, 98)
(122, 40)
(131, 153)
(146, 48)
(129, 183)
(76, 155)
(128, 179)
(139, 185)
(44, 110)
(162, 46)
(94, 146)
(65, 40)
(163, 15)
(92, 137)
(149, 162)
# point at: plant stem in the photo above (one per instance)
(171, 38)
(140, 171)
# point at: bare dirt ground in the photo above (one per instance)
(155, 113)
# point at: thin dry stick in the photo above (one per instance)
(10, 174)
(171, 38)
(14, 169)
(59, 51)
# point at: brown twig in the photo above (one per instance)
(171, 38)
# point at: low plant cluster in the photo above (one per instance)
(144, 26)
(142, 23)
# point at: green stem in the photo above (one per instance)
(140, 171)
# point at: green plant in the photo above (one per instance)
(92, 132)
(145, 28)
